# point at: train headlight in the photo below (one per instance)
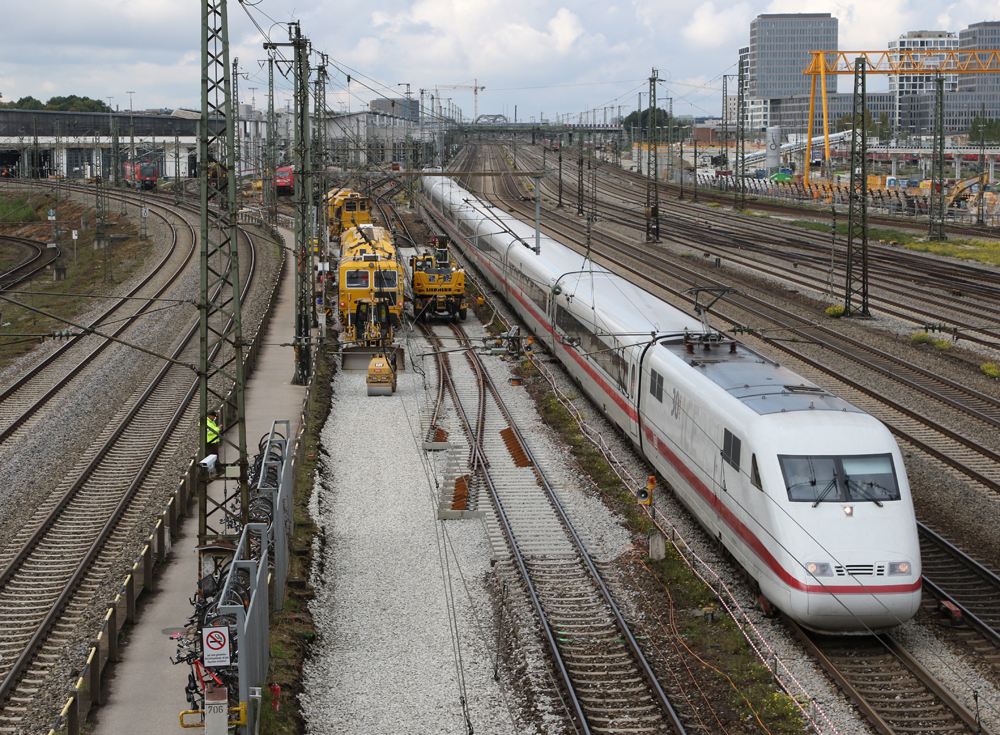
(898, 568)
(819, 569)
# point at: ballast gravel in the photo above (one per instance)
(401, 608)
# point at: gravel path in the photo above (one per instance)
(401, 604)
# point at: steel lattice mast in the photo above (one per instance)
(303, 209)
(221, 365)
(936, 231)
(856, 285)
(271, 156)
(740, 149)
(652, 166)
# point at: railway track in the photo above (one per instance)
(39, 258)
(64, 368)
(977, 462)
(606, 682)
(936, 291)
(53, 568)
(893, 691)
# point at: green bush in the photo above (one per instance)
(17, 210)
(991, 369)
(835, 311)
(942, 344)
(920, 338)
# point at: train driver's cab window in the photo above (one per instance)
(356, 279)
(656, 385)
(731, 446)
(858, 478)
(351, 206)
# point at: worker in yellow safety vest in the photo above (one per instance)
(213, 434)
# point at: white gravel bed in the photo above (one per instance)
(401, 606)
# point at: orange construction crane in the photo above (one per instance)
(475, 93)
(897, 61)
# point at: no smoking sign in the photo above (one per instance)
(215, 646)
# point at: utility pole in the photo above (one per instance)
(983, 176)
(221, 514)
(725, 122)
(271, 156)
(936, 231)
(178, 182)
(143, 203)
(116, 153)
(559, 205)
(652, 166)
(131, 149)
(238, 130)
(694, 138)
(579, 188)
(740, 198)
(856, 291)
(303, 208)
(319, 146)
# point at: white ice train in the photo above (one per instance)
(808, 492)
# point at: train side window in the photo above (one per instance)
(755, 473)
(656, 385)
(731, 449)
(631, 385)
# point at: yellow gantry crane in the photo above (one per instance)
(897, 61)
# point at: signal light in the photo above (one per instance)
(645, 495)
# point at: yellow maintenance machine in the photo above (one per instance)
(370, 290)
(347, 208)
(381, 379)
(438, 283)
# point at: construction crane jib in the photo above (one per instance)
(897, 61)
(475, 93)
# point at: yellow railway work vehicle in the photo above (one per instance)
(346, 209)
(438, 283)
(370, 284)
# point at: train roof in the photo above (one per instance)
(761, 384)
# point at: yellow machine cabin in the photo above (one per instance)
(438, 283)
(347, 208)
(381, 380)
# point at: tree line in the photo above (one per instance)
(73, 103)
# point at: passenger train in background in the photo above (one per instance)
(805, 490)
(141, 174)
(284, 179)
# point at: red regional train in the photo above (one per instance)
(284, 179)
(141, 174)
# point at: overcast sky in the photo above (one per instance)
(545, 56)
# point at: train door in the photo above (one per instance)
(632, 356)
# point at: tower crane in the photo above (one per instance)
(475, 93)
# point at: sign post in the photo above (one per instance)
(76, 236)
(215, 645)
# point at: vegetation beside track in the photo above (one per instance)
(292, 630)
(84, 272)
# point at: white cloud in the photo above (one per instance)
(709, 28)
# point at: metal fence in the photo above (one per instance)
(263, 547)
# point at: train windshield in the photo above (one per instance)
(857, 479)
(385, 279)
(356, 279)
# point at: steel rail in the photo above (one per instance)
(7, 279)
(86, 360)
(620, 622)
(681, 273)
(518, 558)
(83, 567)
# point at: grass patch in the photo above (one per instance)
(835, 311)
(921, 338)
(979, 251)
(991, 369)
(292, 630)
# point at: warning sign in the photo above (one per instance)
(215, 646)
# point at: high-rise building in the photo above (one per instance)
(780, 47)
(921, 41)
(981, 36)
